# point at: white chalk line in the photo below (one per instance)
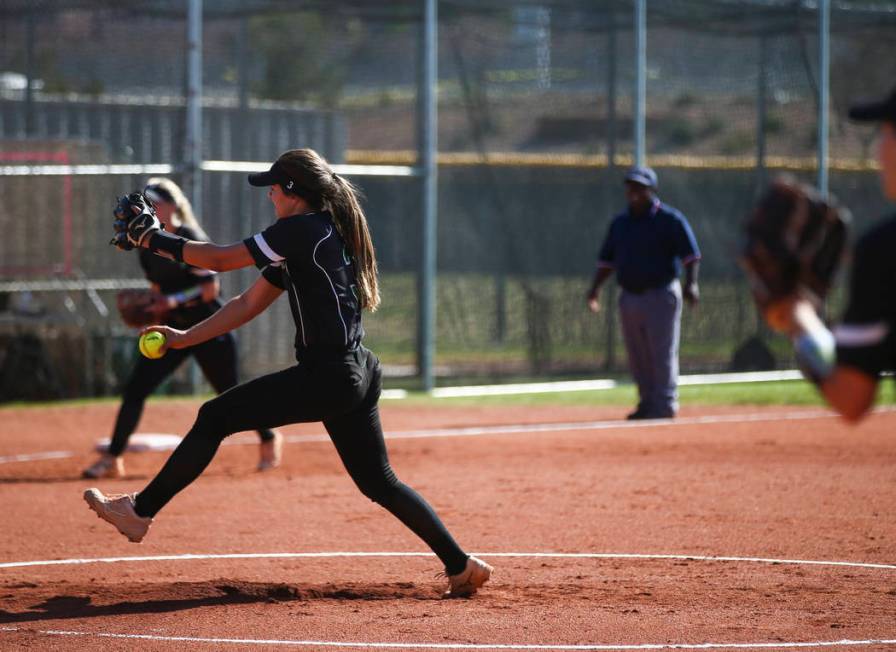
(31, 457)
(454, 646)
(507, 389)
(479, 431)
(527, 555)
(457, 646)
(509, 429)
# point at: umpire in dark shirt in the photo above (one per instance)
(646, 246)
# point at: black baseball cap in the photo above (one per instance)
(880, 111)
(276, 175)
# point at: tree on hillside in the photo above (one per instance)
(305, 55)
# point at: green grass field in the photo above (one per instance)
(794, 392)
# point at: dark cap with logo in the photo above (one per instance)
(880, 111)
(643, 175)
(278, 174)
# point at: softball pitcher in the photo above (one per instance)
(320, 253)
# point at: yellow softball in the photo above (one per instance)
(151, 344)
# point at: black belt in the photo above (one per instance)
(652, 287)
(328, 354)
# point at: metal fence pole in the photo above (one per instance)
(240, 123)
(610, 304)
(640, 109)
(428, 145)
(193, 145)
(193, 140)
(824, 78)
(30, 69)
(761, 113)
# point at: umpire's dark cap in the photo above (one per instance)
(880, 111)
(276, 175)
(643, 175)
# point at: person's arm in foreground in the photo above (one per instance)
(847, 389)
(218, 258)
(137, 225)
(850, 392)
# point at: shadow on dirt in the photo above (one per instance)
(64, 479)
(91, 602)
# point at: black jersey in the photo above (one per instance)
(306, 256)
(866, 338)
(172, 277)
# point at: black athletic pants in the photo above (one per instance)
(216, 358)
(342, 392)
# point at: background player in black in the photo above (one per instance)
(865, 341)
(184, 296)
(320, 253)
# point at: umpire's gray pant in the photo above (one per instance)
(651, 327)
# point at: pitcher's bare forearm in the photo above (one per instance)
(236, 312)
(205, 255)
(848, 390)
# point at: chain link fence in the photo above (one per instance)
(535, 129)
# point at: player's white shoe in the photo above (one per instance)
(118, 509)
(271, 452)
(466, 583)
(105, 467)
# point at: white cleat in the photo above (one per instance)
(271, 453)
(118, 509)
(105, 467)
(467, 582)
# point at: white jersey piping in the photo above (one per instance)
(273, 256)
(861, 334)
(332, 287)
(298, 303)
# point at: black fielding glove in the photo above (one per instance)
(135, 220)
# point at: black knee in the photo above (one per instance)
(135, 391)
(211, 419)
(380, 489)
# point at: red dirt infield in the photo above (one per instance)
(807, 487)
